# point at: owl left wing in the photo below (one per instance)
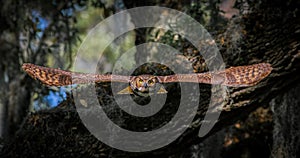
(57, 77)
(240, 76)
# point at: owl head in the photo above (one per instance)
(143, 85)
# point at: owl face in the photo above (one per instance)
(143, 84)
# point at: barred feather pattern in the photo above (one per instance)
(58, 77)
(240, 76)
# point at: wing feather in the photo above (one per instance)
(240, 76)
(57, 77)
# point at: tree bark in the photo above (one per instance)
(270, 33)
(286, 119)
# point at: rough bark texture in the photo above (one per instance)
(286, 124)
(268, 34)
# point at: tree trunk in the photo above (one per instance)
(286, 129)
(269, 33)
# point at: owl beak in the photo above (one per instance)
(145, 85)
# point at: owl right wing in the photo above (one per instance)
(57, 77)
(240, 76)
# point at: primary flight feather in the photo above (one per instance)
(240, 76)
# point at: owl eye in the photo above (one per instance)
(150, 82)
(141, 81)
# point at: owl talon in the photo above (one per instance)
(126, 90)
(162, 90)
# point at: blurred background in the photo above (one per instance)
(49, 33)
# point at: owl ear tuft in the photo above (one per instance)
(126, 90)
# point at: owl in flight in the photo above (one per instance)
(240, 76)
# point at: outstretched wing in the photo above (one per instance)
(57, 77)
(240, 76)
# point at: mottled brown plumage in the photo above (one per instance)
(240, 76)
(57, 77)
